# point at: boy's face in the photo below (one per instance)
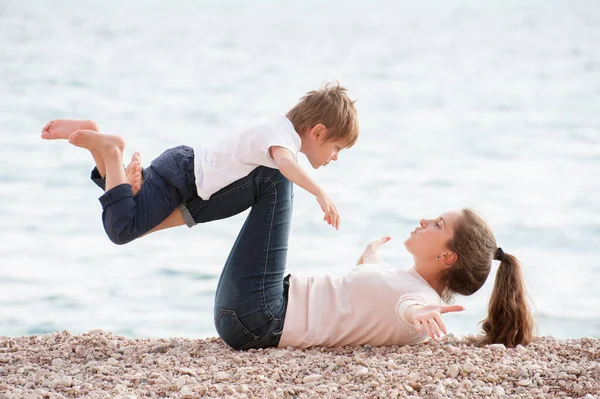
(319, 150)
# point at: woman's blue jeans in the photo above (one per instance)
(251, 297)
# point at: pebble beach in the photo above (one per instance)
(100, 365)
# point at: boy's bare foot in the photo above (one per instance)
(133, 173)
(106, 145)
(63, 128)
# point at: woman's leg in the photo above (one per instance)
(250, 302)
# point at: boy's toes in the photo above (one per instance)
(129, 168)
(46, 131)
(75, 137)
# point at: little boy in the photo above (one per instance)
(210, 182)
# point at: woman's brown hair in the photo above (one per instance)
(509, 319)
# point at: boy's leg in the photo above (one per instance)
(250, 299)
(173, 220)
(125, 217)
(63, 128)
(110, 150)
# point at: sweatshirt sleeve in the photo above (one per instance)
(408, 300)
(422, 298)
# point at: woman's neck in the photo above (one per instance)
(431, 275)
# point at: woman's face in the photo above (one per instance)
(428, 240)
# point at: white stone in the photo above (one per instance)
(468, 368)
(453, 371)
(211, 359)
(311, 378)
(65, 381)
(186, 393)
(573, 370)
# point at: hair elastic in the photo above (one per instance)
(499, 254)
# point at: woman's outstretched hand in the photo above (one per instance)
(370, 255)
(429, 318)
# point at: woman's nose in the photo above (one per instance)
(423, 223)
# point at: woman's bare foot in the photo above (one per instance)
(63, 128)
(133, 173)
(106, 145)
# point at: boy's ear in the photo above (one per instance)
(318, 131)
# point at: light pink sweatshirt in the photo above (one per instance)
(366, 306)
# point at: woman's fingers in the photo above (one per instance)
(441, 324)
(451, 308)
(428, 329)
(379, 242)
(418, 326)
(433, 325)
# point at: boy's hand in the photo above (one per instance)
(284, 159)
(331, 214)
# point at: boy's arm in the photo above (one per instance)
(284, 159)
(287, 165)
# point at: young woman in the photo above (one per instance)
(256, 306)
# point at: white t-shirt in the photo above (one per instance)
(226, 160)
(366, 306)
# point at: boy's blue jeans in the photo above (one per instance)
(251, 297)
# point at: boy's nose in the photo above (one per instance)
(334, 157)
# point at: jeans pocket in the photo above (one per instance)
(232, 331)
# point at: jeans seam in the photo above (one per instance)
(272, 210)
(237, 321)
(233, 189)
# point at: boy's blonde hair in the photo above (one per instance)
(330, 106)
